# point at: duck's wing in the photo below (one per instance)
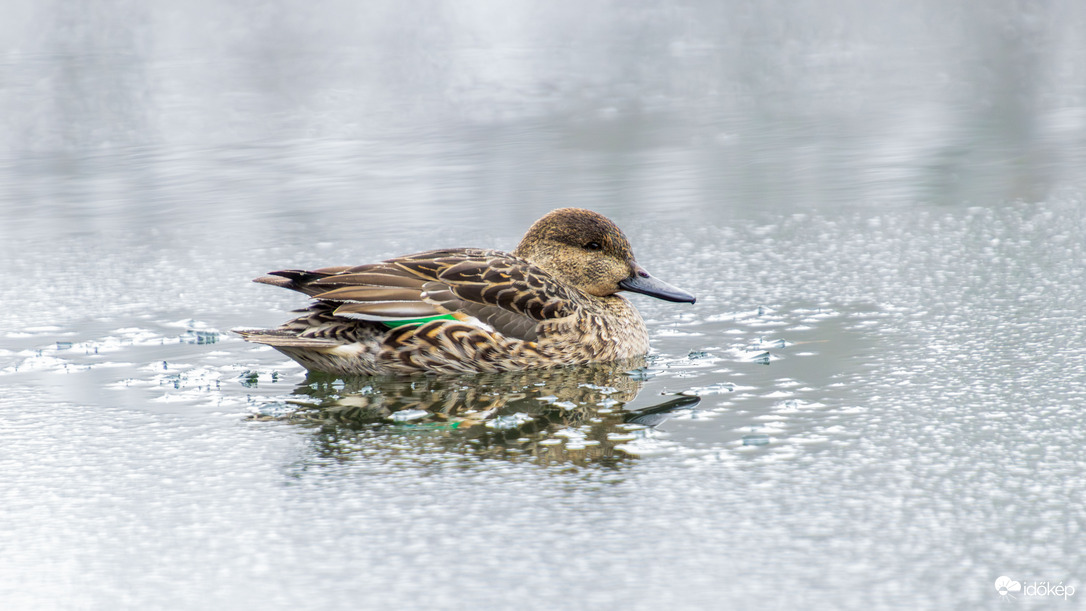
(505, 292)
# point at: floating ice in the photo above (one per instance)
(193, 336)
(409, 415)
(755, 440)
(761, 358)
(508, 422)
(719, 388)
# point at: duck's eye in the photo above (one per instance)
(593, 246)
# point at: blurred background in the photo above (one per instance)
(879, 205)
(134, 114)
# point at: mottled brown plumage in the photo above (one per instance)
(551, 302)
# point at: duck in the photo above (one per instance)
(554, 301)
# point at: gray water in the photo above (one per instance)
(876, 402)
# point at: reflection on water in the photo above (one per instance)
(569, 414)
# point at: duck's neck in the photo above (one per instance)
(622, 327)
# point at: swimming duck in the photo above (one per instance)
(552, 301)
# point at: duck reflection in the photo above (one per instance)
(575, 415)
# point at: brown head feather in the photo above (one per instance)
(581, 248)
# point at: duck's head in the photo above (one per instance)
(586, 250)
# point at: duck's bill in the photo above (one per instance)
(641, 282)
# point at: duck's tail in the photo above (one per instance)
(300, 280)
(284, 338)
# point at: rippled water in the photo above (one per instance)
(876, 402)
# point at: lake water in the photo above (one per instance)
(877, 401)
